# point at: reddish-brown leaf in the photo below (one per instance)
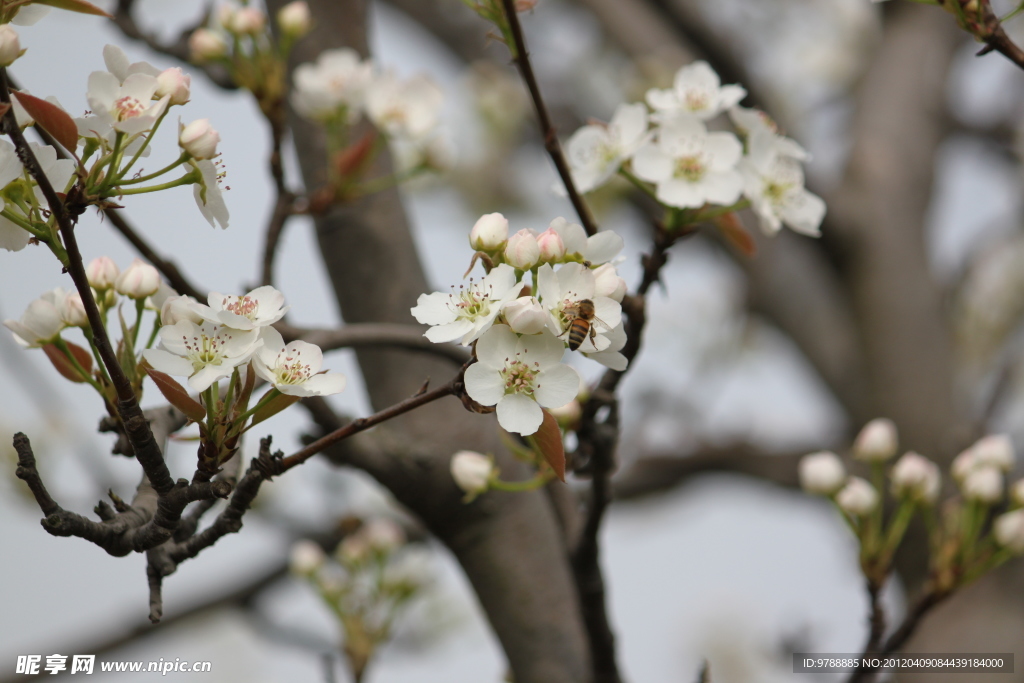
(349, 161)
(3, 109)
(737, 235)
(80, 6)
(549, 441)
(51, 118)
(176, 395)
(64, 365)
(272, 407)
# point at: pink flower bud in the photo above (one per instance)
(489, 233)
(877, 442)
(294, 19)
(525, 315)
(10, 45)
(247, 21)
(72, 311)
(522, 250)
(138, 281)
(101, 273)
(917, 478)
(177, 308)
(205, 45)
(858, 498)
(174, 82)
(821, 473)
(552, 248)
(608, 283)
(199, 139)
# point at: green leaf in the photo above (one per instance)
(51, 118)
(176, 394)
(272, 407)
(64, 365)
(80, 6)
(549, 440)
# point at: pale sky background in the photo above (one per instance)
(722, 568)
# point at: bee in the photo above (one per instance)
(581, 323)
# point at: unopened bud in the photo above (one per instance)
(10, 45)
(306, 558)
(178, 308)
(294, 19)
(101, 273)
(552, 248)
(138, 281)
(175, 83)
(877, 442)
(995, 450)
(199, 139)
(1009, 531)
(72, 311)
(858, 498)
(984, 485)
(917, 478)
(822, 473)
(1017, 493)
(247, 21)
(472, 471)
(205, 45)
(522, 250)
(383, 535)
(489, 233)
(525, 315)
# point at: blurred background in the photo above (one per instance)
(908, 307)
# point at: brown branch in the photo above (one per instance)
(284, 201)
(547, 129)
(374, 335)
(990, 31)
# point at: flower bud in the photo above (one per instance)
(226, 14)
(858, 498)
(294, 19)
(552, 248)
(472, 471)
(199, 139)
(101, 273)
(1017, 493)
(984, 485)
(525, 315)
(205, 45)
(608, 283)
(995, 450)
(10, 45)
(821, 473)
(247, 21)
(522, 250)
(353, 550)
(962, 465)
(489, 233)
(174, 82)
(138, 281)
(178, 308)
(1009, 531)
(917, 478)
(72, 311)
(569, 415)
(306, 558)
(383, 535)
(877, 442)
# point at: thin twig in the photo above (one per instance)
(284, 202)
(990, 31)
(374, 334)
(547, 129)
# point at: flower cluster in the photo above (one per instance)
(543, 292)
(666, 148)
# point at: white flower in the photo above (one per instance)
(176, 308)
(72, 311)
(877, 441)
(12, 236)
(117, 63)
(525, 315)
(489, 233)
(596, 152)
(916, 477)
(10, 45)
(522, 250)
(204, 353)
(138, 280)
(383, 535)
(205, 45)
(821, 473)
(995, 450)
(128, 107)
(983, 484)
(261, 307)
(610, 356)
(552, 248)
(697, 91)
(472, 471)
(246, 21)
(562, 290)
(404, 109)
(174, 83)
(755, 123)
(306, 558)
(102, 272)
(1009, 530)
(208, 195)
(595, 250)
(41, 322)
(519, 375)
(338, 79)
(470, 311)
(608, 283)
(294, 369)
(57, 171)
(294, 19)
(199, 139)
(691, 166)
(774, 184)
(858, 498)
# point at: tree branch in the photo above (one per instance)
(374, 334)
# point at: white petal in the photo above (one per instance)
(556, 386)
(608, 312)
(209, 374)
(651, 163)
(722, 188)
(520, 414)
(12, 236)
(168, 363)
(310, 354)
(547, 285)
(483, 384)
(610, 359)
(449, 332)
(575, 282)
(116, 61)
(679, 193)
(630, 123)
(433, 309)
(500, 280)
(496, 345)
(543, 348)
(725, 150)
(318, 385)
(603, 247)
(804, 213)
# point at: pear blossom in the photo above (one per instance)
(472, 471)
(338, 80)
(294, 369)
(199, 139)
(41, 322)
(596, 152)
(489, 233)
(525, 315)
(595, 249)
(261, 307)
(877, 441)
(176, 308)
(522, 250)
(246, 21)
(10, 45)
(208, 194)
(917, 478)
(72, 311)
(552, 248)
(607, 282)
(1008, 530)
(774, 184)
(858, 498)
(691, 166)
(520, 375)
(127, 106)
(611, 356)
(994, 450)
(470, 311)
(138, 280)
(697, 91)
(12, 236)
(294, 19)
(117, 63)
(561, 291)
(102, 272)
(58, 171)
(753, 123)
(984, 484)
(404, 108)
(205, 45)
(821, 473)
(383, 535)
(306, 557)
(204, 353)
(174, 83)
